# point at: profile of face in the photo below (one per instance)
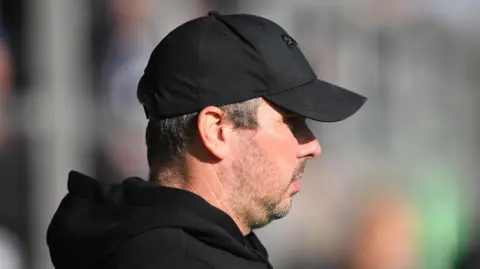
(268, 162)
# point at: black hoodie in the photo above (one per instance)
(143, 225)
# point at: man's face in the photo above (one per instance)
(268, 162)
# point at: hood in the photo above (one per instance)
(94, 218)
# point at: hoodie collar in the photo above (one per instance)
(187, 210)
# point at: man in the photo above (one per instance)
(226, 97)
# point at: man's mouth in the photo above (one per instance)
(299, 172)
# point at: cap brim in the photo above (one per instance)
(319, 100)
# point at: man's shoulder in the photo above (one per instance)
(157, 248)
(172, 239)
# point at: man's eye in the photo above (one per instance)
(292, 123)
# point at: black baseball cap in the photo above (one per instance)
(225, 59)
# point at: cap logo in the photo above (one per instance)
(289, 40)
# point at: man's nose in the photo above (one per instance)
(309, 147)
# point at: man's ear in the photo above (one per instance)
(214, 131)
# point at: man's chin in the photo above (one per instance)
(284, 210)
(270, 219)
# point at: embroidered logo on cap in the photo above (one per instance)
(289, 40)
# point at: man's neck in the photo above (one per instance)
(206, 188)
(220, 201)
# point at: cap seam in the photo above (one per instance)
(265, 62)
(231, 28)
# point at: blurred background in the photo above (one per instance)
(397, 185)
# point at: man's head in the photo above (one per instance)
(231, 94)
(257, 149)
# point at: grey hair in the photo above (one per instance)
(167, 139)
